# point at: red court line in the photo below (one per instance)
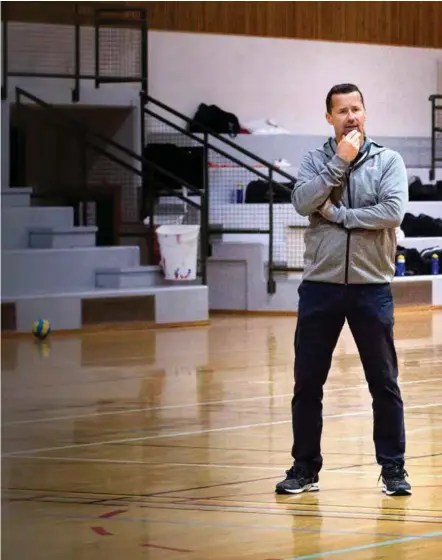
(166, 548)
(112, 513)
(101, 531)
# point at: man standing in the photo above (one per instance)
(354, 192)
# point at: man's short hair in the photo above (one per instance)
(338, 90)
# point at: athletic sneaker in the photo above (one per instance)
(394, 483)
(298, 480)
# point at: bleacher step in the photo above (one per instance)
(125, 278)
(16, 196)
(62, 237)
(52, 271)
(16, 222)
(97, 308)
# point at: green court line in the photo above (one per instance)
(366, 546)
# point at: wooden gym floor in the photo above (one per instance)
(168, 444)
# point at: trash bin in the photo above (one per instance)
(179, 250)
(159, 220)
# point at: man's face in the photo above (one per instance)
(348, 113)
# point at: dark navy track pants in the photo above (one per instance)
(323, 309)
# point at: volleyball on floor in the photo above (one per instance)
(41, 328)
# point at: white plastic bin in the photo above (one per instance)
(179, 250)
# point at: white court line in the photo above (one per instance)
(147, 463)
(190, 405)
(155, 436)
(341, 470)
(137, 462)
(348, 471)
(173, 406)
(195, 432)
(165, 407)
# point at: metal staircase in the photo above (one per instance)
(218, 154)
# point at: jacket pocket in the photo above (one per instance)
(373, 254)
(325, 244)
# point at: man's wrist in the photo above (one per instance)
(341, 162)
(340, 214)
(333, 213)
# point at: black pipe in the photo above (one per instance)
(73, 76)
(97, 52)
(205, 209)
(432, 173)
(76, 90)
(4, 92)
(144, 54)
(271, 284)
(215, 229)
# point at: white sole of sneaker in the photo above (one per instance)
(307, 488)
(400, 493)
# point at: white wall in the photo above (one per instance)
(289, 79)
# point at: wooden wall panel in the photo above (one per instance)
(392, 23)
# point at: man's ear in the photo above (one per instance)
(328, 117)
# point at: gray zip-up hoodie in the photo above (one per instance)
(357, 243)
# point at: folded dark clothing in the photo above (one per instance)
(421, 226)
(418, 191)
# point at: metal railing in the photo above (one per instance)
(116, 153)
(218, 155)
(243, 164)
(101, 19)
(436, 133)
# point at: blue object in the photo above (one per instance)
(400, 266)
(41, 328)
(435, 264)
(239, 195)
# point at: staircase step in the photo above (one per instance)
(16, 222)
(62, 238)
(54, 271)
(99, 308)
(126, 278)
(16, 196)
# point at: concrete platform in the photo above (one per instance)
(237, 280)
(17, 196)
(30, 272)
(17, 220)
(62, 237)
(127, 278)
(147, 307)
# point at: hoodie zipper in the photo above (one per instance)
(350, 205)
(347, 255)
